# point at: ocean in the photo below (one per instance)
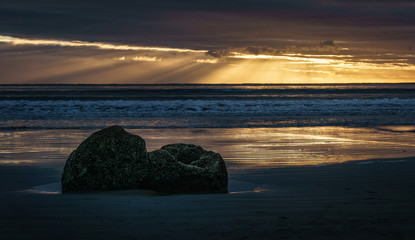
(251, 125)
(205, 106)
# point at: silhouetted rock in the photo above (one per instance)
(108, 159)
(113, 159)
(185, 153)
(203, 171)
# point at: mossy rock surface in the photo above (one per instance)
(113, 159)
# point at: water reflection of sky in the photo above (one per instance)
(240, 147)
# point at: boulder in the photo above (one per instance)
(109, 159)
(113, 159)
(187, 168)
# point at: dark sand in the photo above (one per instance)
(354, 200)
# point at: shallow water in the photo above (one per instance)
(241, 148)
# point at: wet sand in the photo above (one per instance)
(271, 195)
(372, 199)
(241, 148)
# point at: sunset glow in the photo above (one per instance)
(178, 119)
(279, 44)
(117, 63)
(107, 46)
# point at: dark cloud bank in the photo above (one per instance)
(327, 46)
(212, 24)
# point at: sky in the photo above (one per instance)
(227, 41)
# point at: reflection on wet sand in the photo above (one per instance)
(242, 148)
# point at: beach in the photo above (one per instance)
(207, 120)
(304, 161)
(283, 198)
(241, 148)
(354, 200)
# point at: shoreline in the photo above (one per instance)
(349, 200)
(241, 148)
(53, 188)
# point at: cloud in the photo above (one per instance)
(100, 45)
(255, 50)
(146, 59)
(260, 50)
(211, 61)
(327, 46)
(327, 43)
(138, 59)
(218, 53)
(120, 58)
(45, 61)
